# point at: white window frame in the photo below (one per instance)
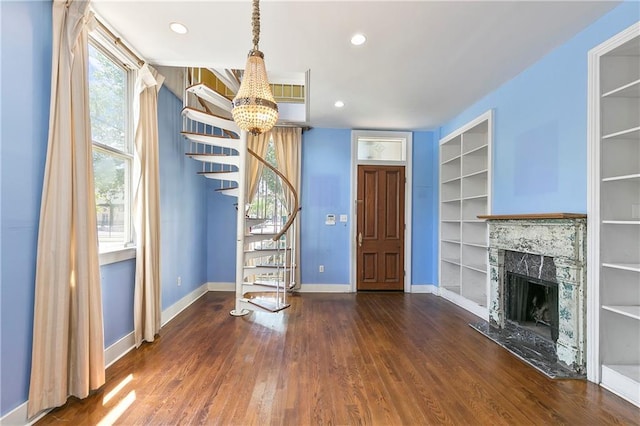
(101, 40)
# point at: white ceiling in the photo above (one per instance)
(423, 62)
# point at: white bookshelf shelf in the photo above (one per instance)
(621, 222)
(629, 90)
(632, 133)
(628, 311)
(635, 176)
(635, 267)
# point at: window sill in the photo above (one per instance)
(117, 255)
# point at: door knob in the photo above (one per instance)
(360, 239)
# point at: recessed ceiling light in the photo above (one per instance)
(178, 28)
(338, 104)
(358, 39)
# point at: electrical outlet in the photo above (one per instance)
(321, 268)
(179, 281)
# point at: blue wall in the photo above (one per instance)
(540, 139)
(26, 57)
(326, 180)
(424, 217)
(221, 235)
(183, 213)
(117, 299)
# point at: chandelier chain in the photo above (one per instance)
(255, 23)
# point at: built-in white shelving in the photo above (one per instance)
(614, 212)
(465, 176)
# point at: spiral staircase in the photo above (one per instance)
(265, 241)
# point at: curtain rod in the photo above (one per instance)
(118, 42)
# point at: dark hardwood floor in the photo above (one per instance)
(334, 359)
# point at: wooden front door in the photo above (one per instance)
(380, 228)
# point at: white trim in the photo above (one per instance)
(408, 174)
(424, 288)
(326, 288)
(211, 286)
(593, 197)
(18, 416)
(465, 303)
(173, 310)
(119, 349)
(119, 255)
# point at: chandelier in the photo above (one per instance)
(254, 108)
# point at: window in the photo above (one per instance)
(110, 105)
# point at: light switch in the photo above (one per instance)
(343, 218)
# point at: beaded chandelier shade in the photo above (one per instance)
(254, 108)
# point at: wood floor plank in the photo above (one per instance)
(339, 359)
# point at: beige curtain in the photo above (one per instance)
(68, 344)
(288, 146)
(146, 207)
(258, 144)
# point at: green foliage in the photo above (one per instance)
(107, 100)
(108, 175)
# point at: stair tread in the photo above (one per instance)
(207, 157)
(273, 284)
(212, 140)
(274, 266)
(267, 249)
(270, 285)
(208, 94)
(214, 120)
(209, 136)
(269, 305)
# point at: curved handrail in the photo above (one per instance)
(296, 205)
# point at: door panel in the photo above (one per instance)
(380, 228)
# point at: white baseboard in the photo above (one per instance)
(424, 288)
(221, 286)
(18, 416)
(304, 288)
(325, 288)
(119, 349)
(465, 303)
(173, 310)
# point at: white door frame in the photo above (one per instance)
(381, 134)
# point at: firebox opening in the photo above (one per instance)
(532, 303)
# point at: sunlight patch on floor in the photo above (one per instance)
(117, 411)
(117, 389)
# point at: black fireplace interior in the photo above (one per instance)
(533, 304)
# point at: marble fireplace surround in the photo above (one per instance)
(562, 237)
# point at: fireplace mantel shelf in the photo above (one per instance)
(529, 216)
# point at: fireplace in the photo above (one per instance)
(532, 304)
(537, 296)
